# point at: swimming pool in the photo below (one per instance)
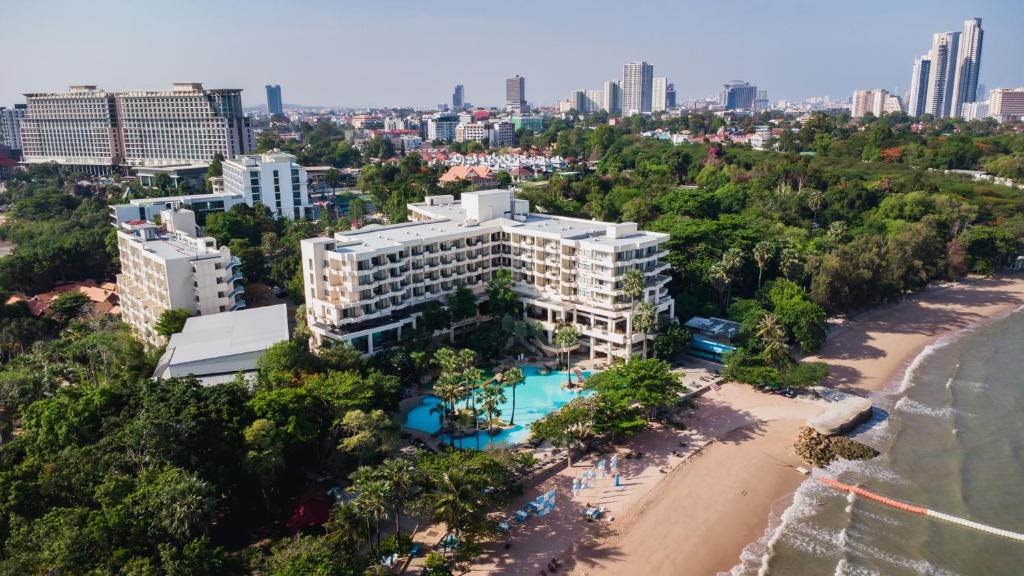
(537, 397)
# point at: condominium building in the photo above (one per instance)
(939, 100)
(201, 205)
(670, 96)
(738, 95)
(503, 134)
(877, 102)
(967, 66)
(659, 94)
(515, 95)
(637, 88)
(611, 97)
(10, 128)
(442, 127)
(171, 268)
(364, 287)
(274, 103)
(89, 127)
(458, 98)
(467, 131)
(1006, 105)
(592, 101)
(919, 86)
(974, 110)
(578, 101)
(273, 179)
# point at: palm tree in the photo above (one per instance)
(513, 377)
(491, 395)
(400, 475)
(789, 260)
(719, 278)
(836, 231)
(814, 201)
(732, 260)
(633, 286)
(565, 337)
(372, 503)
(644, 319)
(471, 378)
(453, 501)
(762, 255)
(773, 341)
(448, 389)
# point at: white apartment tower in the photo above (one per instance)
(88, 127)
(10, 126)
(919, 86)
(637, 88)
(593, 101)
(273, 179)
(968, 65)
(939, 100)
(611, 97)
(1006, 105)
(365, 286)
(172, 268)
(659, 94)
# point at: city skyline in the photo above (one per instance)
(382, 77)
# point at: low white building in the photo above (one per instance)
(217, 347)
(273, 179)
(365, 286)
(171, 268)
(410, 143)
(149, 208)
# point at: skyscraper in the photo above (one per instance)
(738, 95)
(670, 96)
(458, 98)
(515, 94)
(658, 88)
(968, 65)
(10, 129)
(943, 70)
(274, 104)
(637, 88)
(611, 97)
(919, 86)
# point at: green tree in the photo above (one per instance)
(570, 425)
(368, 434)
(264, 457)
(491, 396)
(565, 337)
(461, 305)
(500, 294)
(172, 321)
(513, 377)
(69, 305)
(763, 251)
(644, 319)
(772, 338)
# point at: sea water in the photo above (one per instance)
(951, 436)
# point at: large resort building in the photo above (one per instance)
(363, 287)
(170, 268)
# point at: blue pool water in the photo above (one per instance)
(537, 397)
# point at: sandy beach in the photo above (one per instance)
(693, 512)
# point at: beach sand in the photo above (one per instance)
(710, 502)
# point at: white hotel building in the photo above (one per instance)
(273, 179)
(364, 286)
(172, 268)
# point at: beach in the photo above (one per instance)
(696, 511)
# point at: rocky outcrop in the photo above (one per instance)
(845, 412)
(820, 450)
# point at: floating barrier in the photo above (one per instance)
(920, 510)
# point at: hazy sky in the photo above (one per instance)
(390, 52)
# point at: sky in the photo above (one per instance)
(359, 53)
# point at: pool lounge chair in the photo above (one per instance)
(522, 515)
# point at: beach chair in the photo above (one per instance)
(522, 516)
(414, 551)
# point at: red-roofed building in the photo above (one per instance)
(478, 175)
(103, 297)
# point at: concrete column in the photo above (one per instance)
(369, 343)
(592, 352)
(629, 337)
(550, 337)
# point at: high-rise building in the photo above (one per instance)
(458, 98)
(968, 65)
(943, 56)
(578, 101)
(919, 86)
(762, 103)
(637, 88)
(974, 110)
(670, 96)
(659, 86)
(274, 103)
(442, 127)
(97, 130)
(1006, 105)
(515, 94)
(612, 97)
(366, 286)
(173, 268)
(877, 102)
(738, 95)
(273, 179)
(593, 101)
(10, 128)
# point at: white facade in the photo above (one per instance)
(364, 286)
(442, 128)
(611, 97)
(10, 127)
(659, 94)
(410, 143)
(592, 101)
(91, 127)
(149, 208)
(877, 102)
(967, 66)
(919, 86)
(1005, 105)
(502, 134)
(974, 110)
(273, 179)
(166, 269)
(467, 131)
(637, 88)
(939, 100)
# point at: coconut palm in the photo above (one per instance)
(633, 286)
(762, 255)
(400, 475)
(491, 396)
(565, 337)
(732, 260)
(814, 201)
(448, 388)
(836, 231)
(789, 262)
(644, 319)
(453, 501)
(372, 502)
(719, 278)
(513, 377)
(773, 341)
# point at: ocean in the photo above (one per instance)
(951, 436)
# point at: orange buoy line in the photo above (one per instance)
(919, 510)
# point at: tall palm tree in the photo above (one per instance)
(565, 337)
(789, 261)
(448, 389)
(644, 319)
(372, 502)
(400, 475)
(471, 378)
(513, 377)
(732, 260)
(633, 286)
(719, 278)
(762, 255)
(773, 341)
(491, 396)
(453, 501)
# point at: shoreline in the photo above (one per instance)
(700, 511)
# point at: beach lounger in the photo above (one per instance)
(504, 526)
(522, 515)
